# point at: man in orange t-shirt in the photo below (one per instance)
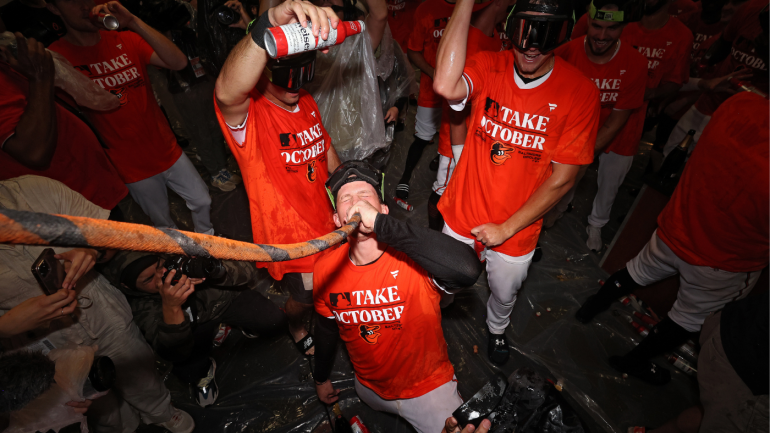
(713, 233)
(274, 129)
(533, 123)
(620, 73)
(401, 20)
(380, 293)
(482, 36)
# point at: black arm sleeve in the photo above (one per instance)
(401, 104)
(326, 336)
(452, 264)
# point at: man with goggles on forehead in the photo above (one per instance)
(620, 73)
(533, 123)
(274, 129)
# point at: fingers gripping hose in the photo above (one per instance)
(31, 228)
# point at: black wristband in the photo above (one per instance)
(258, 31)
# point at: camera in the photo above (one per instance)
(226, 16)
(194, 267)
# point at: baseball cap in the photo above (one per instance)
(355, 171)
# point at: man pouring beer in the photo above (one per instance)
(274, 129)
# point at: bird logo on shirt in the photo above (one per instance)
(369, 333)
(500, 153)
(121, 94)
(311, 174)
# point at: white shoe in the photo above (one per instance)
(180, 422)
(594, 241)
(551, 217)
(208, 391)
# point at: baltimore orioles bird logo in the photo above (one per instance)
(311, 175)
(369, 333)
(500, 153)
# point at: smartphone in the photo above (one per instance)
(48, 271)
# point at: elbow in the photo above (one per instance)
(440, 85)
(179, 63)
(221, 94)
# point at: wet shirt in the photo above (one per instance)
(283, 159)
(430, 20)
(742, 30)
(78, 161)
(139, 140)
(516, 132)
(718, 216)
(389, 317)
(621, 84)
(477, 42)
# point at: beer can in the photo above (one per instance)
(403, 204)
(107, 21)
(357, 425)
(292, 38)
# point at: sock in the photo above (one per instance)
(665, 336)
(435, 220)
(618, 284)
(412, 158)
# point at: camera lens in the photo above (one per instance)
(226, 16)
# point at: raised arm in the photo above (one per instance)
(166, 54)
(247, 60)
(450, 59)
(376, 21)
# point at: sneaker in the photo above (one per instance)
(223, 180)
(222, 334)
(180, 422)
(551, 217)
(594, 241)
(402, 191)
(232, 177)
(208, 391)
(497, 348)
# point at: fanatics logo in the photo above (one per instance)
(668, 43)
(394, 273)
(552, 106)
(312, 113)
(622, 71)
(120, 46)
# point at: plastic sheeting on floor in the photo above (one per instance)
(266, 386)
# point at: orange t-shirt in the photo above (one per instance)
(517, 132)
(477, 42)
(389, 318)
(430, 20)
(139, 140)
(718, 216)
(401, 20)
(742, 30)
(621, 83)
(284, 167)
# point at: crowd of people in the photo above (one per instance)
(522, 98)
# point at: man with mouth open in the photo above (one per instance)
(533, 123)
(274, 129)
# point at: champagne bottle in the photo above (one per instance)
(341, 424)
(676, 158)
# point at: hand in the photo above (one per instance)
(722, 84)
(77, 262)
(451, 426)
(173, 297)
(391, 115)
(37, 312)
(326, 392)
(368, 215)
(293, 11)
(114, 8)
(80, 407)
(490, 234)
(32, 60)
(238, 7)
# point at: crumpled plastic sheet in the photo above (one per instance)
(214, 40)
(346, 91)
(394, 72)
(48, 411)
(84, 91)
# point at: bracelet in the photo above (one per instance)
(258, 32)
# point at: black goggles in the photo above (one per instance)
(355, 171)
(293, 72)
(544, 32)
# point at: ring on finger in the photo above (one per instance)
(62, 311)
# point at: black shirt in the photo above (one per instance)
(745, 338)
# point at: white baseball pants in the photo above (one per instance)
(505, 275)
(701, 289)
(612, 171)
(446, 166)
(427, 122)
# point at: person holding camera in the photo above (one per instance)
(86, 310)
(180, 320)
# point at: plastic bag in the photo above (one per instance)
(48, 412)
(396, 77)
(84, 91)
(346, 91)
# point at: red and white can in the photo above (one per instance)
(357, 425)
(403, 204)
(292, 38)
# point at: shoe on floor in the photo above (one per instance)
(647, 371)
(225, 180)
(180, 422)
(402, 191)
(434, 163)
(208, 391)
(594, 241)
(551, 217)
(497, 348)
